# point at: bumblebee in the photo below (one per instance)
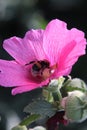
(41, 69)
(40, 65)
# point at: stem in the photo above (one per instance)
(28, 120)
(57, 96)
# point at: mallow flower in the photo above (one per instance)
(40, 56)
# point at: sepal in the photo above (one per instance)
(75, 106)
(72, 85)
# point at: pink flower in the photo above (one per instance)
(53, 122)
(41, 56)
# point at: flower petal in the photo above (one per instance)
(53, 37)
(21, 89)
(56, 37)
(18, 50)
(27, 49)
(12, 74)
(29, 87)
(34, 38)
(69, 55)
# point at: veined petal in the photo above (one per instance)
(69, 55)
(34, 39)
(18, 50)
(27, 49)
(13, 74)
(21, 89)
(57, 37)
(53, 37)
(35, 35)
(29, 87)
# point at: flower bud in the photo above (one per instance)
(74, 84)
(52, 92)
(75, 106)
(38, 128)
(56, 84)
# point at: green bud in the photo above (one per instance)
(52, 92)
(19, 127)
(75, 106)
(56, 84)
(38, 128)
(74, 84)
(78, 83)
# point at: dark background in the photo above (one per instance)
(17, 17)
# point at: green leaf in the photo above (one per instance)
(41, 107)
(28, 120)
(19, 128)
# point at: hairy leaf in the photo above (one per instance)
(41, 107)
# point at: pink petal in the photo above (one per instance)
(54, 35)
(75, 34)
(18, 50)
(34, 38)
(27, 49)
(21, 89)
(57, 37)
(12, 74)
(69, 55)
(29, 87)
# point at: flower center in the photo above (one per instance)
(41, 69)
